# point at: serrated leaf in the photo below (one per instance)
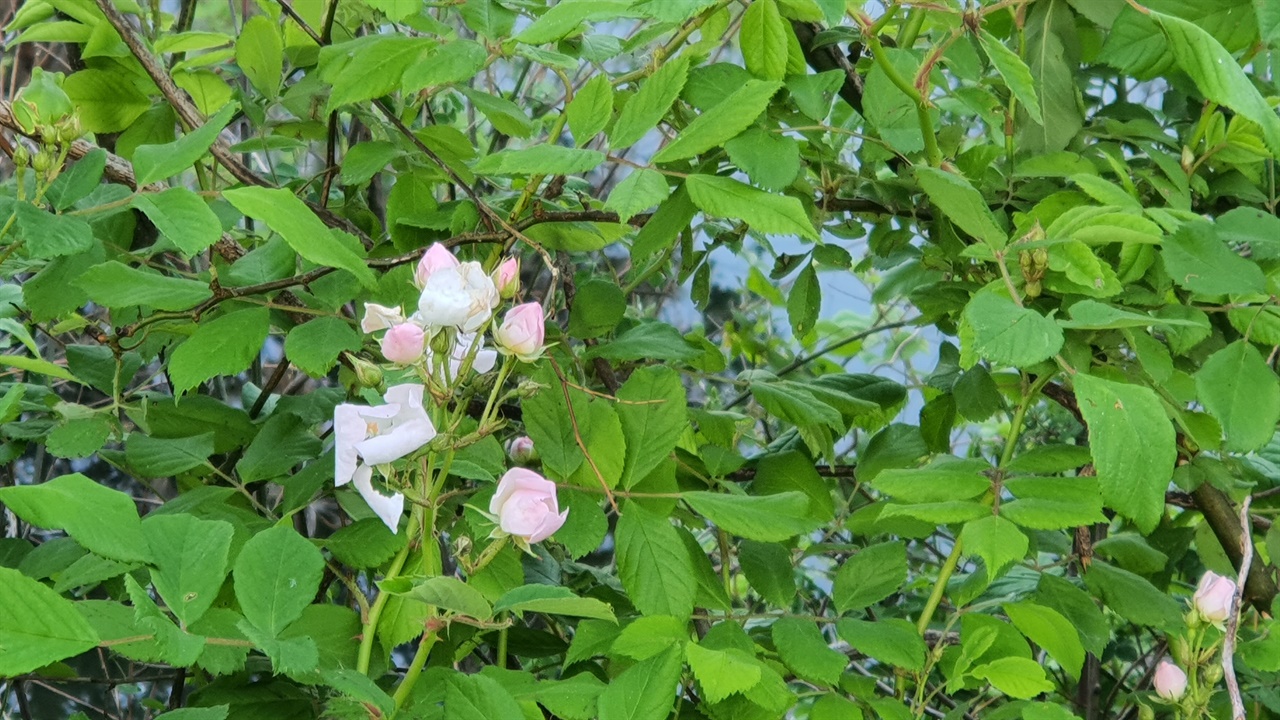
(1015, 72)
(115, 285)
(764, 40)
(590, 110)
(639, 191)
(540, 160)
(277, 574)
(283, 212)
(444, 592)
(765, 212)
(1132, 442)
(316, 345)
(182, 217)
(1241, 390)
(767, 519)
(1050, 630)
(157, 162)
(873, 574)
(653, 564)
(1010, 335)
(722, 673)
(191, 561)
(962, 204)
(260, 54)
(653, 411)
(645, 691)
(1199, 261)
(103, 520)
(38, 627)
(553, 600)
(650, 103)
(223, 346)
(889, 640)
(803, 648)
(722, 122)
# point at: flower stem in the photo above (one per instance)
(411, 675)
(375, 612)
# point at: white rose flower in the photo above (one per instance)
(368, 436)
(462, 297)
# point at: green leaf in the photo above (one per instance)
(553, 600)
(157, 162)
(804, 301)
(152, 457)
(644, 691)
(77, 181)
(282, 442)
(477, 697)
(768, 568)
(597, 308)
(763, 39)
(182, 217)
(1053, 503)
(225, 345)
(46, 235)
(771, 160)
(540, 160)
(369, 67)
(191, 561)
(1240, 389)
(547, 420)
(1132, 597)
(1132, 442)
(873, 574)
(365, 543)
(561, 20)
(456, 61)
(174, 645)
(653, 410)
(315, 346)
(767, 519)
(888, 640)
(765, 212)
(647, 340)
(277, 574)
(1218, 76)
(722, 122)
(103, 520)
(803, 648)
(260, 54)
(1050, 26)
(639, 191)
(590, 109)
(962, 204)
(283, 212)
(1016, 74)
(38, 626)
(1010, 335)
(931, 484)
(36, 365)
(1015, 676)
(1050, 630)
(218, 712)
(996, 540)
(1199, 261)
(653, 564)
(106, 101)
(444, 592)
(650, 104)
(1093, 315)
(722, 673)
(116, 285)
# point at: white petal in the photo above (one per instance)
(349, 428)
(380, 317)
(485, 360)
(388, 509)
(396, 443)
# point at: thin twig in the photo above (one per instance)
(1233, 620)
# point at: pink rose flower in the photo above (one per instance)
(522, 331)
(403, 343)
(521, 449)
(1170, 682)
(437, 257)
(526, 506)
(507, 278)
(1214, 597)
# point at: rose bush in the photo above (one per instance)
(639, 359)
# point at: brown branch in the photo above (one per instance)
(118, 170)
(1258, 588)
(1233, 621)
(829, 57)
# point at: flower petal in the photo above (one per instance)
(388, 509)
(397, 442)
(550, 524)
(349, 428)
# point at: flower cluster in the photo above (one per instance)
(457, 301)
(442, 342)
(1212, 604)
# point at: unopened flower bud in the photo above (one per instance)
(1211, 674)
(42, 161)
(403, 343)
(507, 278)
(1214, 597)
(21, 155)
(442, 342)
(521, 449)
(367, 374)
(1145, 712)
(437, 257)
(1170, 681)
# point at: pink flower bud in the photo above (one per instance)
(403, 343)
(1214, 597)
(507, 278)
(437, 257)
(522, 331)
(521, 449)
(1170, 682)
(526, 506)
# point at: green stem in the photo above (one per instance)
(502, 649)
(911, 29)
(957, 549)
(411, 675)
(375, 612)
(911, 91)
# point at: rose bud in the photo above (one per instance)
(526, 506)
(1170, 682)
(437, 257)
(521, 449)
(507, 278)
(1214, 597)
(522, 331)
(403, 343)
